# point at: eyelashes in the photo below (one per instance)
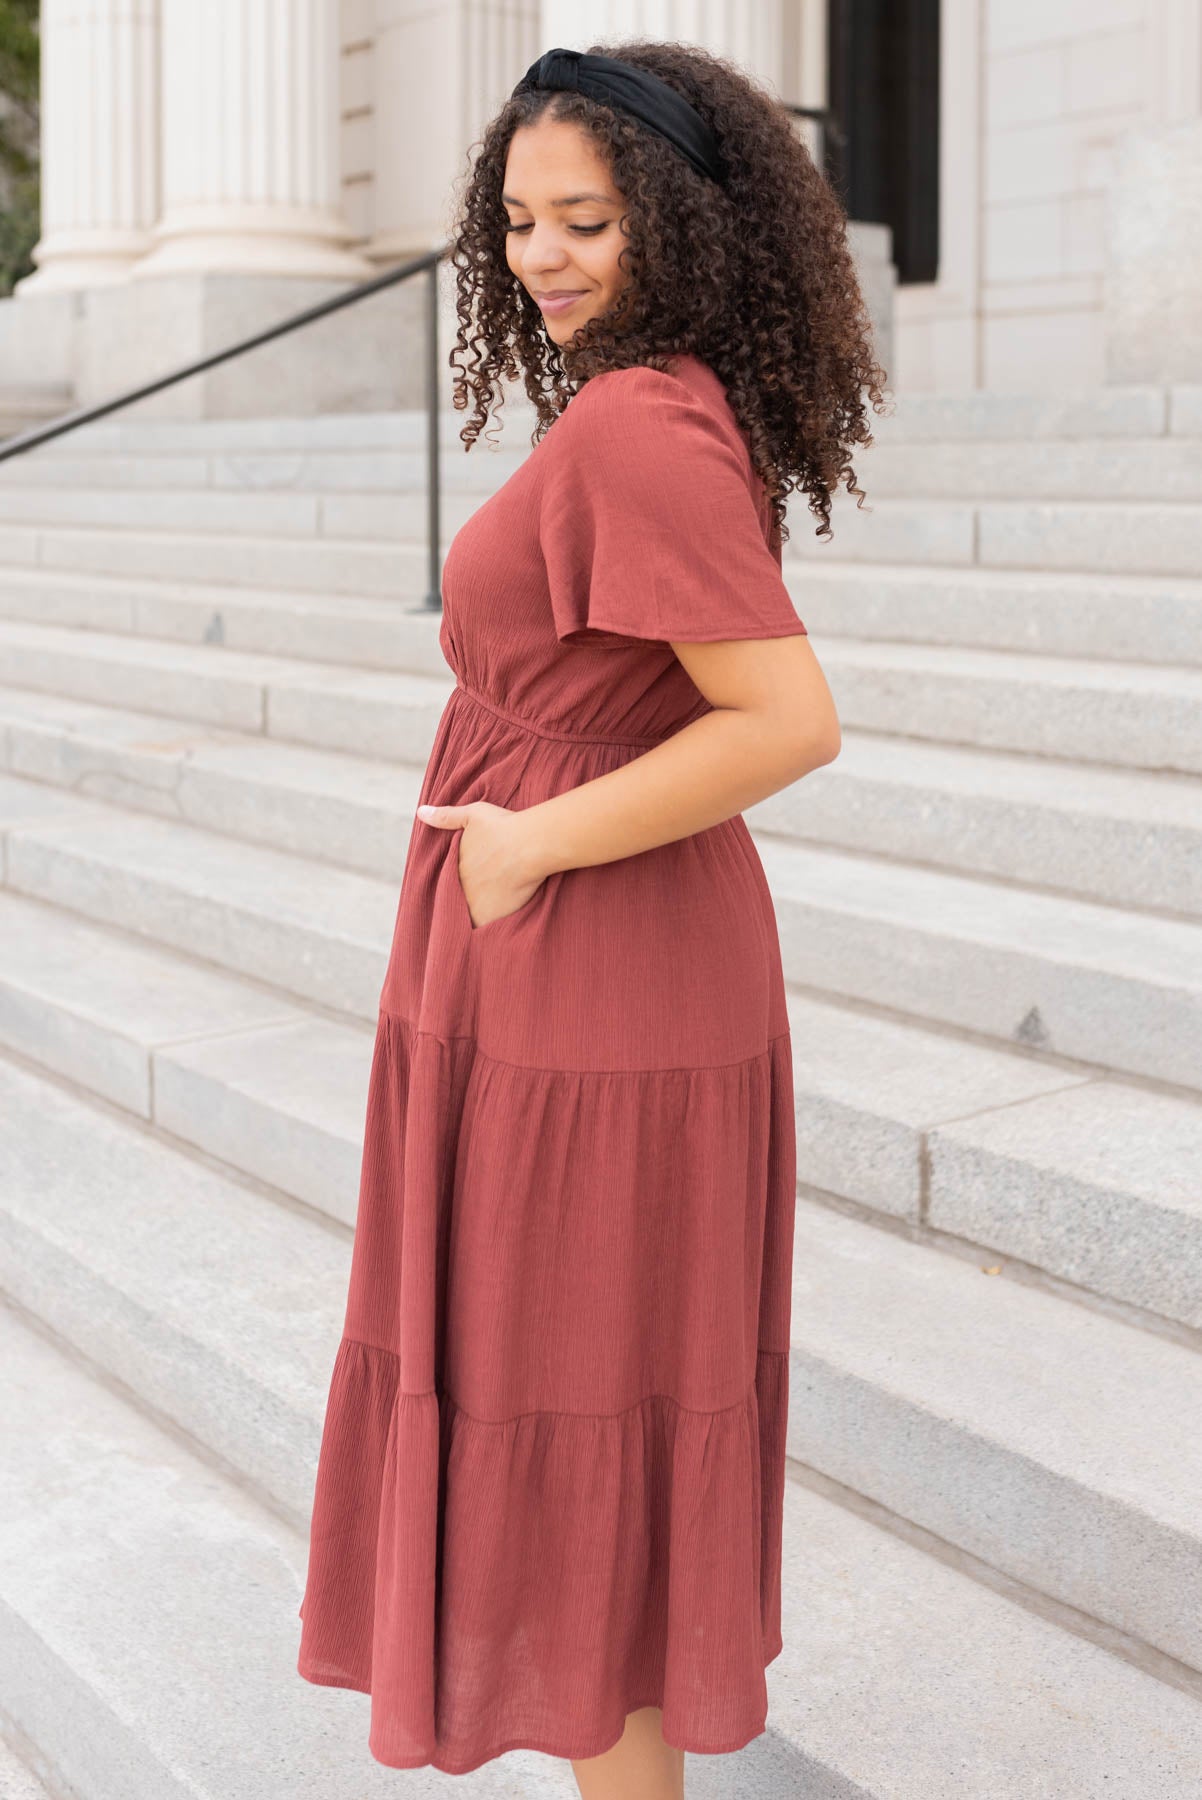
(583, 230)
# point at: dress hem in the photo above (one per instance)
(450, 1766)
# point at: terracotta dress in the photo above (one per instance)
(551, 1474)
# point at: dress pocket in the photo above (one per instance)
(490, 925)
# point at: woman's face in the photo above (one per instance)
(563, 213)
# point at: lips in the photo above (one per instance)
(551, 306)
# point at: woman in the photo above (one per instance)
(549, 1498)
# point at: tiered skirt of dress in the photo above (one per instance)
(551, 1474)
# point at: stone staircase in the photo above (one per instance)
(216, 702)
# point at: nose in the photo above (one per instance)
(541, 257)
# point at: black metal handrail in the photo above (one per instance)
(427, 262)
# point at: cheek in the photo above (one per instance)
(605, 267)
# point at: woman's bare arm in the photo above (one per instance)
(774, 721)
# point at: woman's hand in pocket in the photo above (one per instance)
(495, 857)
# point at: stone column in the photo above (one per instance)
(250, 141)
(751, 35)
(470, 52)
(100, 194)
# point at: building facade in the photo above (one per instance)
(1037, 165)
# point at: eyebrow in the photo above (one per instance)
(570, 200)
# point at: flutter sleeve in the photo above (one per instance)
(648, 522)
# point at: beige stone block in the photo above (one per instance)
(1105, 72)
(361, 360)
(1024, 87)
(1153, 272)
(1024, 241)
(1021, 24)
(1043, 349)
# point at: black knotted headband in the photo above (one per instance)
(615, 83)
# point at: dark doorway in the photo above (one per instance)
(883, 83)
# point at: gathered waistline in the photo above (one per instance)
(545, 731)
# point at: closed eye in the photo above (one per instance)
(585, 230)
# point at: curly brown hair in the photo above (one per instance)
(755, 277)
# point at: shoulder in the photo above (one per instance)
(620, 398)
(626, 387)
(639, 411)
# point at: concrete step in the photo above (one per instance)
(1014, 1424)
(329, 805)
(989, 1145)
(374, 544)
(1127, 838)
(1060, 1181)
(1119, 990)
(366, 712)
(27, 803)
(375, 634)
(1089, 469)
(1122, 618)
(148, 1628)
(216, 1307)
(380, 568)
(237, 1069)
(213, 1307)
(1147, 716)
(1091, 1179)
(17, 1778)
(301, 469)
(1011, 1703)
(879, 1634)
(1119, 411)
(318, 932)
(1110, 411)
(1130, 536)
(1038, 1435)
(70, 466)
(258, 512)
(1100, 617)
(125, 434)
(373, 493)
(1124, 837)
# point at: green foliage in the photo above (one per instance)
(20, 228)
(20, 204)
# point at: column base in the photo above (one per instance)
(67, 260)
(299, 242)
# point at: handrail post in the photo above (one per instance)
(433, 597)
